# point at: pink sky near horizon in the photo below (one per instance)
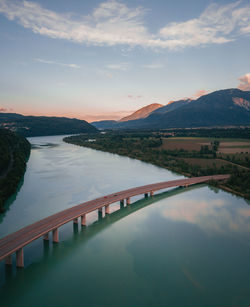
(88, 115)
(100, 114)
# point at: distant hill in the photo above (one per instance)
(42, 125)
(230, 107)
(105, 124)
(142, 113)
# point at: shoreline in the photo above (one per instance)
(221, 186)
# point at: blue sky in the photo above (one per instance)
(103, 59)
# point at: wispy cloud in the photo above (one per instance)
(104, 73)
(134, 97)
(119, 66)
(57, 63)
(3, 109)
(154, 66)
(199, 93)
(244, 83)
(114, 23)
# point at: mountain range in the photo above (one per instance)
(230, 107)
(43, 125)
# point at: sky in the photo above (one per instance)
(98, 60)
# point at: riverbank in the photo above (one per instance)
(14, 154)
(200, 161)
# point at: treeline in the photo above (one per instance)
(236, 133)
(14, 153)
(148, 150)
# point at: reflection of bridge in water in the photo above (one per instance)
(17, 240)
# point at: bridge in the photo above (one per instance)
(15, 242)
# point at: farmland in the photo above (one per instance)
(227, 146)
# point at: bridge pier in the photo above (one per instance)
(83, 220)
(128, 201)
(55, 235)
(46, 237)
(75, 221)
(107, 209)
(151, 193)
(99, 213)
(19, 258)
(122, 203)
(146, 195)
(8, 260)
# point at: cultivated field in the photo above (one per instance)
(227, 146)
(185, 143)
(234, 147)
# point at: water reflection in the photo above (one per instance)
(220, 215)
(51, 249)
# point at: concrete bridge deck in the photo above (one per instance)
(16, 241)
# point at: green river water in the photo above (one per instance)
(183, 247)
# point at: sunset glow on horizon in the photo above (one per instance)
(97, 60)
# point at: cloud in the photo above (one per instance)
(57, 63)
(134, 97)
(114, 23)
(119, 66)
(2, 110)
(103, 73)
(154, 66)
(244, 82)
(199, 93)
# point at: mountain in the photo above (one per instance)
(142, 113)
(172, 105)
(139, 114)
(230, 107)
(42, 125)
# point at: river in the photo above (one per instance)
(183, 247)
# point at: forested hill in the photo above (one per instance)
(14, 152)
(43, 125)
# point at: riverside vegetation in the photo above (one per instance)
(14, 153)
(190, 156)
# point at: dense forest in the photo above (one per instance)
(148, 147)
(242, 133)
(14, 153)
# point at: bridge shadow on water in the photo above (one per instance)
(54, 252)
